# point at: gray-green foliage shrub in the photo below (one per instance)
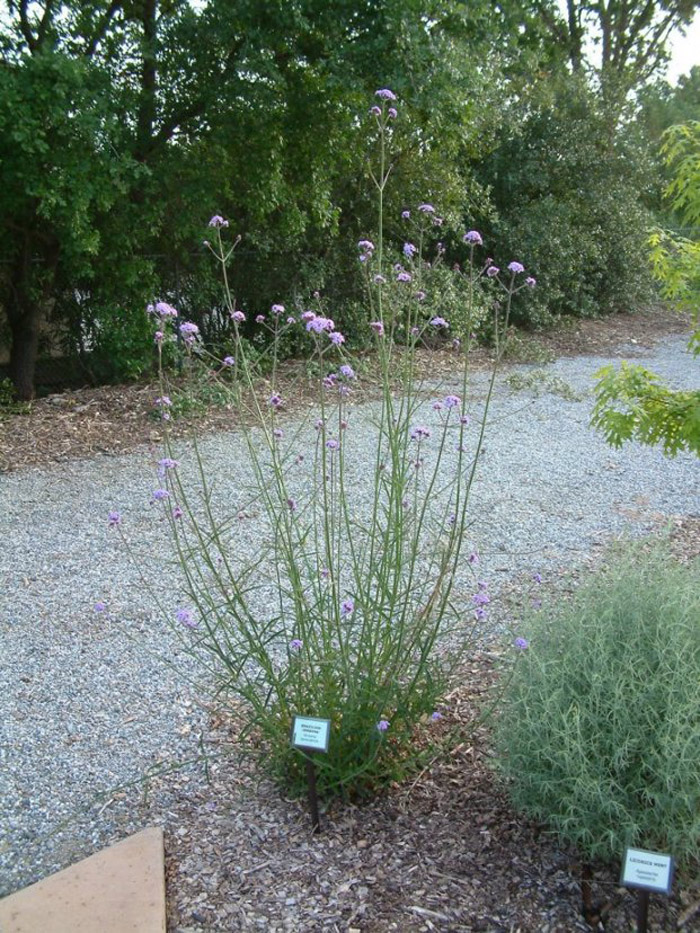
(599, 733)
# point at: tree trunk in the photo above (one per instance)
(24, 327)
(30, 292)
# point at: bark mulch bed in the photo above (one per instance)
(443, 852)
(89, 422)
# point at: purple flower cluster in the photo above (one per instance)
(439, 322)
(521, 643)
(167, 463)
(186, 617)
(473, 237)
(114, 518)
(385, 94)
(516, 267)
(419, 432)
(382, 725)
(218, 221)
(296, 644)
(409, 250)
(378, 328)
(189, 332)
(366, 248)
(347, 607)
(162, 309)
(160, 494)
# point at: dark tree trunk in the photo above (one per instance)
(30, 291)
(24, 328)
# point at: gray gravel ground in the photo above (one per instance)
(88, 702)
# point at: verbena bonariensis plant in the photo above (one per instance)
(350, 608)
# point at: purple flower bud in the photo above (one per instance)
(186, 617)
(521, 643)
(114, 518)
(379, 280)
(337, 338)
(393, 113)
(537, 577)
(275, 400)
(100, 606)
(163, 402)
(229, 361)
(188, 329)
(367, 246)
(332, 444)
(163, 309)
(420, 296)
(167, 463)
(278, 433)
(439, 322)
(452, 401)
(277, 310)
(409, 250)
(473, 236)
(515, 267)
(347, 371)
(378, 328)
(218, 221)
(492, 271)
(347, 607)
(158, 336)
(260, 319)
(383, 725)
(238, 317)
(426, 208)
(436, 716)
(375, 111)
(291, 320)
(160, 494)
(177, 512)
(296, 644)
(385, 94)
(405, 215)
(404, 277)
(531, 281)
(292, 504)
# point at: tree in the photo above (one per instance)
(633, 403)
(630, 37)
(163, 112)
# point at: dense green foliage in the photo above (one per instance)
(631, 402)
(124, 126)
(600, 730)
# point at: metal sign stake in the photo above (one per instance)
(313, 796)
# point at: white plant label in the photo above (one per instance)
(311, 733)
(652, 871)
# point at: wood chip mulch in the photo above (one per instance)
(89, 422)
(445, 851)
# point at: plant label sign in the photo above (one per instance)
(310, 733)
(650, 871)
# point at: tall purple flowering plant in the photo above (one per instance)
(355, 606)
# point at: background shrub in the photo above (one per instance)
(599, 733)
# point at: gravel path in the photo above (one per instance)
(87, 700)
